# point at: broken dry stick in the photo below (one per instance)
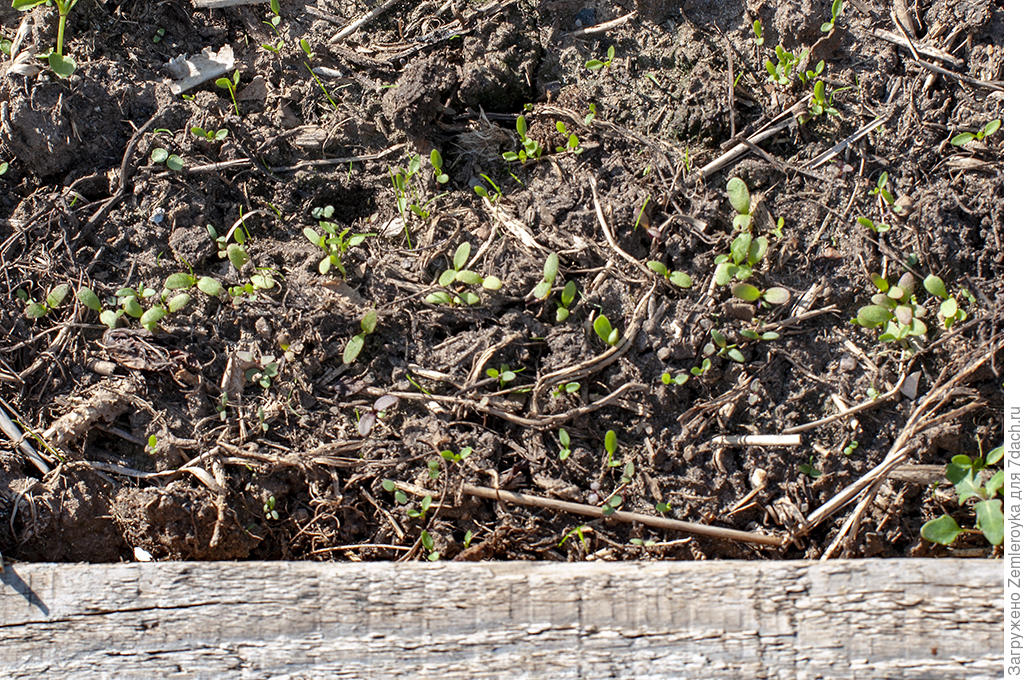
(757, 440)
(620, 516)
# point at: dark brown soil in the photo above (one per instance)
(167, 440)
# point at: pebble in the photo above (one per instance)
(157, 216)
(847, 363)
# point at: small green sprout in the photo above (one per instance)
(231, 85)
(354, 346)
(611, 445)
(613, 503)
(809, 469)
(881, 190)
(819, 104)
(752, 334)
(895, 308)
(209, 135)
(161, 155)
(749, 293)
(676, 278)
(663, 507)
(504, 375)
(423, 508)
(739, 198)
(698, 371)
(159, 35)
(719, 345)
(949, 310)
(265, 374)
(679, 379)
(598, 64)
(269, 508)
(810, 74)
(964, 138)
(576, 533)
(427, 541)
(234, 252)
(781, 74)
(436, 163)
(563, 441)
(572, 142)
(389, 486)
(966, 475)
(433, 469)
(458, 274)
(467, 538)
(745, 251)
(332, 242)
(37, 309)
(604, 330)
(850, 448)
(453, 457)
(89, 299)
(837, 7)
(565, 299)
(62, 65)
(566, 389)
(589, 118)
(4, 165)
(275, 8)
(543, 289)
(483, 192)
(531, 147)
(151, 444)
(758, 33)
(878, 228)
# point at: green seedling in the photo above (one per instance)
(531, 147)
(964, 138)
(611, 446)
(483, 192)
(274, 47)
(503, 375)
(563, 442)
(543, 289)
(850, 448)
(453, 457)
(877, 227)
(304, 45)
(209, 135)
(173, 161)
(36, 309)
(809, 469)
(458, 274)
(576, 533)
(895, 308)
(837, 7)
(234, 252)
(262, 280)
(151, 444)
(231, 85)
(819, 104)
(389, 486)
(467, 538)
(745, 252)
(591, 114)
(752, 334)
(966, 475)
(89, 299)
(809, 75)
(275, 20)
(565, 299)
(678, 379)
(566, 389)
(62, 65)
(427, 541)
(436, 163)
(881, 190)
(758, 33)
(782, 73)
(739, 198)
(423, 508)
(598, 64)
(332, 242)
(4, 165)
(663, 507)
(354, 346)
(643, 543)
(269, 509)
(949, 310)
(611, 505)
(722, 347)
(676, 278)
(604, 330)
(750, 293)
(698, 371)
(265, 374)
(572, 142)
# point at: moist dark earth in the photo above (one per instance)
(230, 428)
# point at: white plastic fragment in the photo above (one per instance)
(142, 555)
(189, 72)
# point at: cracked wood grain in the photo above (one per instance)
(838, 619)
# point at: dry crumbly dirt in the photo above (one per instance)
(83, 204)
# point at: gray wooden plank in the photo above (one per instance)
(839, 619)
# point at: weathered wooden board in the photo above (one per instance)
(673, 620)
